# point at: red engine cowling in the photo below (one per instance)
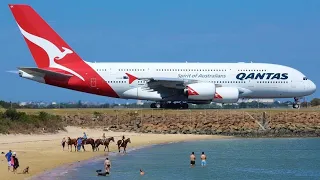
(200, 91)
(226, 95)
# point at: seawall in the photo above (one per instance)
(242, 123)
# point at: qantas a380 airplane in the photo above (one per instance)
(164, 83)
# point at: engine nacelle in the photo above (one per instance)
(226, 95)
(200, 91)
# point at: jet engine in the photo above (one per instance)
(200, 91)
(226, 95)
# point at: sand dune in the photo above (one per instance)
(44, 152)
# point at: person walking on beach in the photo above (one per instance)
(8, 157)
(16, 163)
(79, 143)
(203, 159)
(12, 159)
(63, 143)
(107, 165)
(192, 159)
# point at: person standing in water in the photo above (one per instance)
(141, 172)
(107, 165)
(203, 159)
(192, 159)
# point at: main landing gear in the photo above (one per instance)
(171, 105)
(296, 103)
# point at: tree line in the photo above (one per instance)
(254, 104)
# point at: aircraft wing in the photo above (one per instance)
(43, 72)
(174, 83)
(158, 82)
(163, 83)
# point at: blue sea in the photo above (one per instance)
(281, 158)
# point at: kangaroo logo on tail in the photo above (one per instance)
(52, 51)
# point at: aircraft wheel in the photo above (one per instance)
(296, 106)
(185, 106)
(157, 105)
(153, 105)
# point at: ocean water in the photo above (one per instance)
(283, 158)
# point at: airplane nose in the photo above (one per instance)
(312, 87)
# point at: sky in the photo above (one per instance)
(284, 32)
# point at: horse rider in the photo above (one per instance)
(122, 140)
(103, 137)
(84, 137)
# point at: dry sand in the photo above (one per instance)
(44, 152)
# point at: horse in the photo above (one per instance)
(89, 141)
(124, 144)
(71, 142)
(105, 143)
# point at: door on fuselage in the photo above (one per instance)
(93, 82)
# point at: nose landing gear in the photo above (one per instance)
(296, 103)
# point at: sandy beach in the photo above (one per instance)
(44, 152)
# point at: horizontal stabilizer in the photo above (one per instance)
(42, 72)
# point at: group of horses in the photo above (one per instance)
(96, 143)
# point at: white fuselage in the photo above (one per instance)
(254, 80)
(59, 65)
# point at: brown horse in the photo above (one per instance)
(105, 143)
(123, 144)
(89, 141)
(71, 142)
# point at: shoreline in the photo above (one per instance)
(52, 174)
(64, 169)
(44, 154)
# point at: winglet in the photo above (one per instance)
(131, 78)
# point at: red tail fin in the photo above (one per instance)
(51, 53)
(41, 39)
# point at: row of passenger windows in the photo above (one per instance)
(227, 82)
(234, 82)
(219, 70)
(124, 82)
(252, 70)
(123, 70)
(131, 69)
(191, 70)
(272, 82)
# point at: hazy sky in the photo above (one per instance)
(284, 32)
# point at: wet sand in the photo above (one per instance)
(44, 152)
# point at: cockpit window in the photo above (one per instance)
(305, 78)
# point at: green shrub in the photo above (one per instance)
(12, 121)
